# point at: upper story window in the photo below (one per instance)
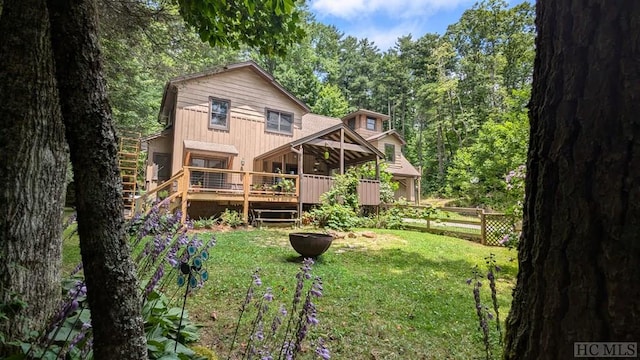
(219, 113)
(371, 123)
(351, 123)
(390, 152)
(278, 121)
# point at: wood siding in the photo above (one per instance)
(249, 96)
(163, 144)
(361, 126)
(379, 144)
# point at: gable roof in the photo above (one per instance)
(245, 64)
(354, 135)
(252, 65)
(378, 115)
(391, 132)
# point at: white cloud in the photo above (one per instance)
(346, 9)
(385, 37)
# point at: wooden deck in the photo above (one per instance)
(245, 187)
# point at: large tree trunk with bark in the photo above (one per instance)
(579, 278)
(33, 163)
(109, 272)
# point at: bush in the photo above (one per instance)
(231, 218)
(336, 217)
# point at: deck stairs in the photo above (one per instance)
(128, 154)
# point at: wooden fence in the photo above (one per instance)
(485, 227)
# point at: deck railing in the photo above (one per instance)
(315, 185)
(193, 182)
(241, 182)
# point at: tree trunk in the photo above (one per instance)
(109, 272)
(579, 278)
(33, 163)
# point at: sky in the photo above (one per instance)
(383, 21)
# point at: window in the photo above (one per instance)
(390, 152)
(351, 123)
(371, 123)
(278, 121)
(218, 113)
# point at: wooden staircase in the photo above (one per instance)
(128, 154)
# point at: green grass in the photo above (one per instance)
(401, 295)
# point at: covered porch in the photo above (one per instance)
(289, 176)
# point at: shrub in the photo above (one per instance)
(231, 218)
(336, 217)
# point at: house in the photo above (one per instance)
(234, 137)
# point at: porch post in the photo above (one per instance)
(300, 173)
(341, 151)
(377, 168)
(283, 164)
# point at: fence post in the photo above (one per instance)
(483, 227)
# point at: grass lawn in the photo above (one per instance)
(399, 295)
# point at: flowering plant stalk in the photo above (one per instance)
(279, 342)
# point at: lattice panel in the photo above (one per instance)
(497, 226)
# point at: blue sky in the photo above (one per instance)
(383, 21)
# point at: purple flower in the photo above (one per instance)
(498, 268)
(268, 296)
(322, 351)
(256, 278)
(469, 280)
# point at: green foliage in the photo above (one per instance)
(334, 216)
(207, 223)
(161, 324)
(331, 102)
(231, 218)
(478, 172)
(344, 191)
(270, 25)
(388, 187)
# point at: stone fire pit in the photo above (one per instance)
(310, 244)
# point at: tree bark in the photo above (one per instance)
(109, 272)
(33, 162)
(579, 278)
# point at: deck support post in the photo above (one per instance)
(185, 193)
(246, 182)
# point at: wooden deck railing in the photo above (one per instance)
(208, 184)
(315, 185)
(168, 191)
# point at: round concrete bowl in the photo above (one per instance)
(310, 244)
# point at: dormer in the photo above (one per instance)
(365, 122)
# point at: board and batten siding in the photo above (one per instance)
(249, 95)
(379, 144)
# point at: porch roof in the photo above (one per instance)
(355, 146)
(403, 169)
(210, 147)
